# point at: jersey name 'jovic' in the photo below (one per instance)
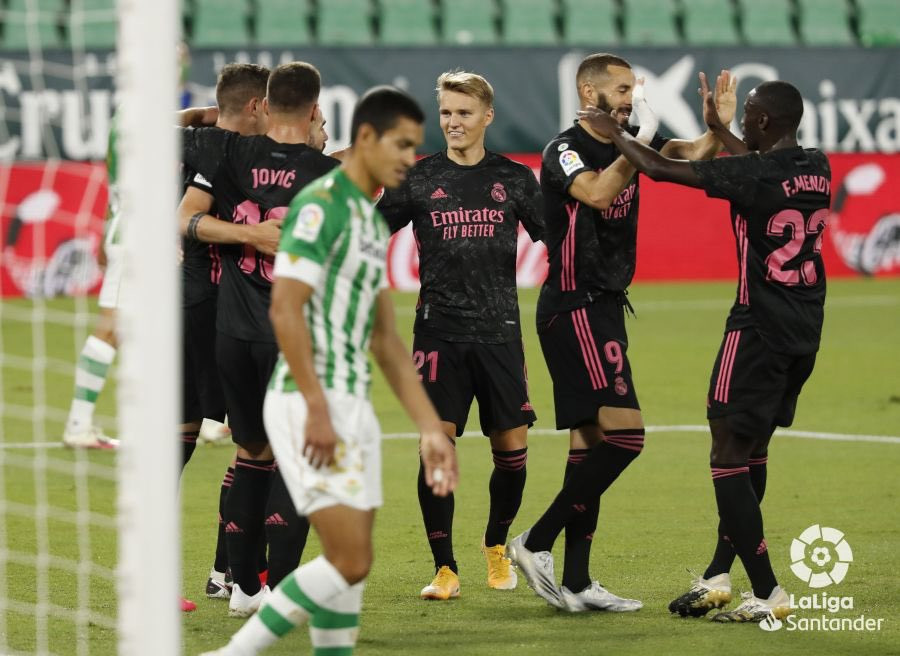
(466, 223)
(254, 179)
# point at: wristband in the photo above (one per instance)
(192, 225)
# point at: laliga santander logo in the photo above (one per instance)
(865, 220)
(820, 556)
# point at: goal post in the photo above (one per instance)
(148, 400)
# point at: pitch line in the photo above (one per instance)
(682, 428)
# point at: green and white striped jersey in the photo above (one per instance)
(334, 240)
(113, 213)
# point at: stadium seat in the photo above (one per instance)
(649, 23)
(767, 22)
(710, 23)
(529, 22)
(17, 25)
(879, 22)
(468, 22)
(825, 23)
(93, 23)
(220, 23)
(282, 23)
(589, 22)
(345, 22)
(407, 22)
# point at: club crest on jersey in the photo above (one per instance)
(309, 222)
(621, 386)
(570, 161)
(498, 193)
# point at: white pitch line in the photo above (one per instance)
(684, 428)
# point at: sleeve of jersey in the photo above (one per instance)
(306, 240)
(563, 163)
(531, 211)
(395, 208)
(658, 142)
(732, 178)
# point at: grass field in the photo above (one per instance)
(655, 522)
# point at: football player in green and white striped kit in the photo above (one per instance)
(330, 306)
(99, 349)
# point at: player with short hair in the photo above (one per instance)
(591, 197)
(330, 306)
(780, 196)
(253, 180)
(466, 204)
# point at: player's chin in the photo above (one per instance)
(622, 117)
(397, 178)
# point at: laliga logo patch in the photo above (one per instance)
(570, 161)
(309, 222)
(498, 193)
(820, 556)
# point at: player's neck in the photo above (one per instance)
(784, 142)
(354, 168)
(288, 133)
(587, 128)
(467, 157)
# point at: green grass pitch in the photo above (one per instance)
(655, 522)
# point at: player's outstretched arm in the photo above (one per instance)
(289, 322)
(197, 117)
(197, 223)
(709, 144)
(599, 190)
(438, 453)
(643, 158)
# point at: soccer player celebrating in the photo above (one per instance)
(465, 205)
(591, 197)
(779, 195)
(253, 180)
(330, 306)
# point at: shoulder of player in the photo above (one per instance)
(565, 139)
(508, 167)
(424, 165)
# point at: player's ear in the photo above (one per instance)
(312, 113)
(265, 105)
(763, 121)
(366, 135)
(489, 116)
(586, 93)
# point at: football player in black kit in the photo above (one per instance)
(253, 181)
(780, 196)
(591, 197)
(465, 205)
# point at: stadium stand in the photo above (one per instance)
(93, 23)
(344, 22)
(825, 23)
(469, 22)
(590, 22)
(220, 23)
(283, 23)
(529, 22)
(43, 28)
(407, 23)
(879, 22)
(767, 22)
(710, 23)
(649, 23)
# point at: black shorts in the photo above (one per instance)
(753, 386)
(201, 390)
(245, 369)
(586, 353)
(454, 373)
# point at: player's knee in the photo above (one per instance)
(629, 439)
(354, 567)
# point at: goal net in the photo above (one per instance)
(88, 541)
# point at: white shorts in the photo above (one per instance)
(112, 277)
(354, 479)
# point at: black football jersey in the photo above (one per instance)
(779, 207)
(588, 250)
(466, 224)
(201, 267)
(253, 179)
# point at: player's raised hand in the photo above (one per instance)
(599, 121)
(647, 119)
(725, 96)
(266, 236)
(439, 457)
(319, 438)
(710, 111)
